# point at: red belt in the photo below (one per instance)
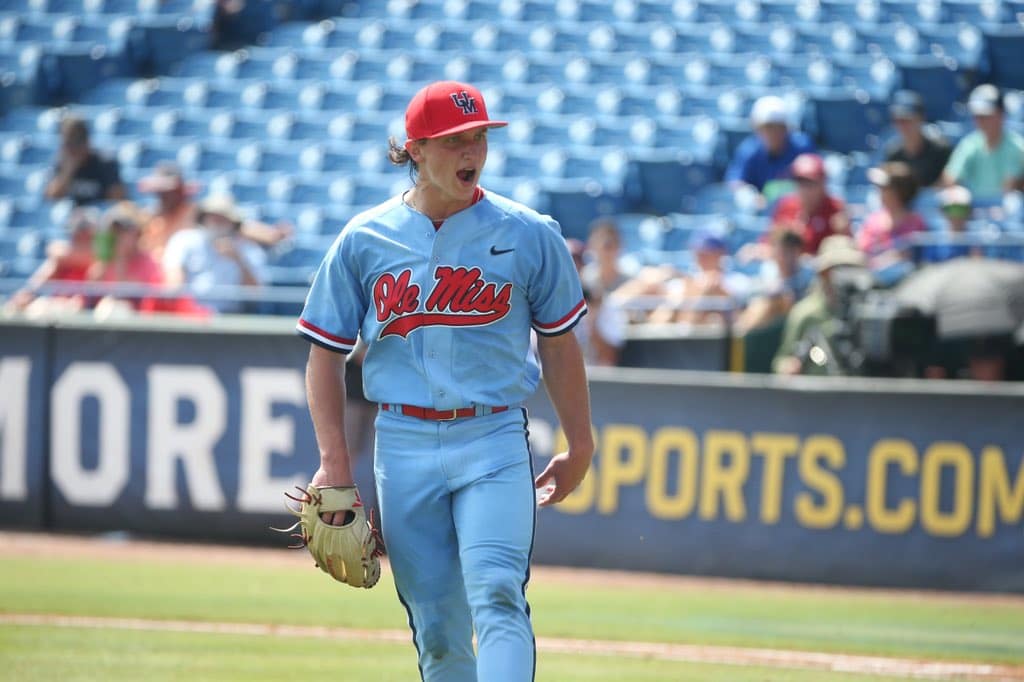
(441, 415)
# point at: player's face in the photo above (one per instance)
(452, 164)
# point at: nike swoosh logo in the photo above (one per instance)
(495, 251)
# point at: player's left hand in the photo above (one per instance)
(565, 471)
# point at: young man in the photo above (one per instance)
(81, 173)
(923, 150)
(810, 211)
(763, 159)
(989, 161)
(443, 284)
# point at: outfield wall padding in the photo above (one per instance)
(193, 430)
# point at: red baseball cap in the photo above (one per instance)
(446, 108)
(809, 166)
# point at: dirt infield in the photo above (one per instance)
(20, 544)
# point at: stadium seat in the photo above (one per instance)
(1004, 46)
(961, 42)
(664, 182)
(974, 12)
(146, 154)
(936, 79)
(24, 151)
(827, 39)
(575, 204)
(875, 75)
(891, 40)
(182, 124)
(844, 123)
(203, 157)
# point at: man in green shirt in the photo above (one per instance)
(989, 161)
(814, 322)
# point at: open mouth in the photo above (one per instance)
(466, 174)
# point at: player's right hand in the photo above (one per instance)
(566, 471)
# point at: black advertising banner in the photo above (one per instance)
(23, 377)
(196, 435)
(760, 481)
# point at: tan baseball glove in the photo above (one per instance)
(349, 553)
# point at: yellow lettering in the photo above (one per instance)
(884, 519)
(818, 457)
(936, 458)
(774, 448)
(995, 492)
(616, 470)
(660, 502)
(719, 479)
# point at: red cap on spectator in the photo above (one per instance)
(809, 166)
(446, 108)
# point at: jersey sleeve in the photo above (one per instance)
(555, 292)
(957, 163)
(336, 302)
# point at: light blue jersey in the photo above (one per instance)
(446, 313)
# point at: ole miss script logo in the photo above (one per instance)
(460, 298)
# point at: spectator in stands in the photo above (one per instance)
(956, 209)
(763, 160)
(81, 173)
(603, 275)
(602, 333)
(990, 160)
(176, 211)
(885, 236)
(66, 261)
(921, 148)
(807, 338)
(810, 211)
(214, 254)
(705, 296)
(128, 263)
(782, 281)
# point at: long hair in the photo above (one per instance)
(399, 156)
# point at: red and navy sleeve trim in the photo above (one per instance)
(563, 325)
(323, 338)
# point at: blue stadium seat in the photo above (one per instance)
(146, 154)
(936, 79)
(891, 40)
(283, 96)
(607, 167)
(313, 126)
(575, 204)
(665, 181)
(1004, 46)
(24, 151)
(845, 11)
(21, 29)
(905, 11)
(975, 12)
(250, 125)
(769, 39)
(1013, 10)
(124, 123)
(828, 39)
(703, 38)
(182, 124)
(554, 100)
(359, 128)
(203, 157)
(961, 42)
(845, 123)
(875, 75)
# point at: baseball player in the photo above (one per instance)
(444, 284)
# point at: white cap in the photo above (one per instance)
(955, 196)
(985, 100)
(768, 110)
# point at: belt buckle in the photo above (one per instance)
(455, 415)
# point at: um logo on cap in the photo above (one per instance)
(463, 101)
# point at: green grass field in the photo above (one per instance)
(912, 626)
